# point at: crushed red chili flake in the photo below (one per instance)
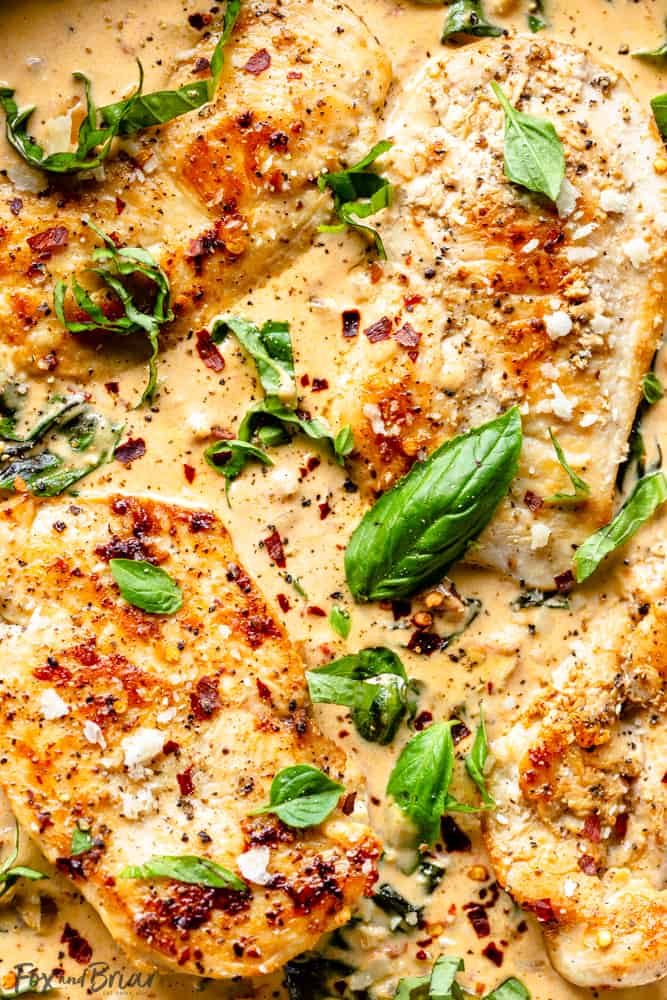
(294, 75)
(171, 746)
(621, 824)
(274, 546)
(587, 864)
(77, 946)
(325, 510)
(258, 62)
(380, 330)
(200, 520)
(493, 953)
(479, 920)
(410, 301)
(564, 581)
(317, 612)
(422, 720)
(15, 206)
(120, 205)
(424, 643)
(454, 838)
(283, 602)
(113, 388)
(199, 21)
(407, 336)
(543, 911)
(205, 699)
(50, 240)
(347, 805)
(129, 451)
(305, 380)
(320, 384)
(185, 782)
(592, 829)
(664, 778)
(351, 322)
(460, 732)
(202, 64)
(263, 690)
(532, 501)
(208, 352)
(400, 609)
(189, 472)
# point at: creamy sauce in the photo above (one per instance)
(502, 655)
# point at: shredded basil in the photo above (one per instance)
(406, 916)
(11, 873)
(466, 17)
(417, 529)
(654, 55)
(652, 388)
(308, 976)
(539, 599)
(359, 193)
(442, 984)
(659, 108)
(536, 19)
(340, 621)
(186, 868)
(269, 346)
(302, 796)
(124, 264)
(146, 586)
(648, 495)
(82, 841)
(431, 874)
(581, 489)
(476, 761)
(534, 155)
(101, 126)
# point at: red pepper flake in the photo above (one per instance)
(77, 946)
(205, 699)
(380, 330)
(199, 21)
(15, 206)
(316, 612)
(376, 272)
(283, 602)
(129, 451)
(664, 778)
(424, 643)
(592, 830)
(171, 746)
(312, 463)
(532, 501)
(113, 388)
(460, 732)
(493, 953)
(120, 205)
(189, 472)
(305, 380)
(325, 510)
(185, 782)
(544, 911)
(587, 864)
(621, 823)
(263, 690)
(258, 62)
(455, 839)
(410, 301)
(479, 920)
(423, 720)
(49, 240)
(208, 352)
(407, 336)
(320, 384)
(274, 546)
(294, 75)
(202, 64)
(201, 520)
(564, 581)
(351, 322)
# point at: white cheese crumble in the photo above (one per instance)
(539, 535)
(142, 746)
(530, 246)
(580, 255)
(165, 716)
(561, 406)
(567, 199)
(637, 252)
(51, 705)
(588, 420)
(134, 806)
(613, 201)
(601, 324)
(558, 324)
(199, 424)
(253, 865)
(93, 733)
(373, 415)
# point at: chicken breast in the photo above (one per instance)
(493, 296)
(161, 735)
(223, 196)
(580, 829)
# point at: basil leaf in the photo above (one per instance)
(340, 621)
(431, 874)
(377, 707)
(659, 108)
(343, 443)
(536, 20)
(581, 489)
(443, 984)
(81, 841)
(421, 777)
(511, 989)
(124, 117)
(476, 760)
(648, 495)
(392, 902)
(657, 54)
(33, 985)
(359, 193)
(10, 873)
(466, 17)
(652, 388)
(124, 263)
(273, 415)
(540, 599)
(269, 346)
(302, 796)
(534, 155)
(413, 988)
(146, 586)
(186, 868)
(231, 457)
(308, 977)
(416, 530)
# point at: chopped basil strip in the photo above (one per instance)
(231, 457)
(431, 874)
(33, 985)
(302, 796)
(101, 126)
(359, 193)
(652, 388)
(67, 440)
(340, 621)
(309, 977)
(81, 841)
(466, 17)
(417, 529)
(373, 684)
(648, 495)
(11, 873)
(406, 915)
(412, 988)
(534, 155)
(269, 346)
(539, 599)
(476, 760)
(442, 984)
(655, 55)
(581, 489)
(659, 108)
(123, 266)
(186, 868)
(146, 586)
(536, 19)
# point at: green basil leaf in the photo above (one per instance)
(343, 443)
(536, 19)
(540, 599)
(230, 458)
(416, 530)
(32, 985)
(511, 989)
(413, 988)
(659, 108)
(82, 841)
(340, 621)
(391, 901)
(309, 976)
(466, 17)
(359, 193)
(269, 346)
(648, 495)
(443, 984)
(10, 873)
(146, 586)
(431, 874)
(476, 760)
(420, 780)
(273, 414)
(302, 796)
(534, 155)
(657, 54)
(186, 868)
(652, 388)
(581, 489)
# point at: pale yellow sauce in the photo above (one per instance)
(103, 38)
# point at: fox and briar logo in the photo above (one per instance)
(96, 977)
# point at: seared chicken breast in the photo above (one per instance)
(222, 196)
(493, 296)
(161, 734)
(580, 830)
